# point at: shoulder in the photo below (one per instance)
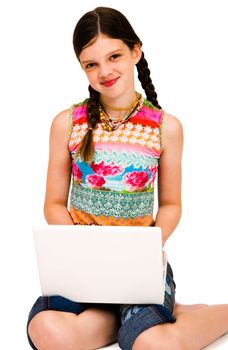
(172, 130)
(61, 120)
(171, 124)
(62, 117)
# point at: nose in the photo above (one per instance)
(105, 70)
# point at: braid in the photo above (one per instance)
(93, 108)
(86, 147)
(146, 82)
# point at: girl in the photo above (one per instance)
(112, 145)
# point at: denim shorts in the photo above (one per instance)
(134, 319)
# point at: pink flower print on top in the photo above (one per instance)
(77, 173)
(95, 181)
(106, 169)
(135, 180)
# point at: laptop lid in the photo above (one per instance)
(101, 264)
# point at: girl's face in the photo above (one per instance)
(109, 66)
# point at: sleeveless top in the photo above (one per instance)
(117, 187)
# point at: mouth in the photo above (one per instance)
(108, 83)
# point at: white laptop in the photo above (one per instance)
(101, 264)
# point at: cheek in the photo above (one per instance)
(91, 76)
(128, 68)
(128, 63)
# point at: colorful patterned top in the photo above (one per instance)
(117, 188)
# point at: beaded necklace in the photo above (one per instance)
(110, 125)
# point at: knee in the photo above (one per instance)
(46, 332)
(150, 341)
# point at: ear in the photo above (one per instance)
(137, 53)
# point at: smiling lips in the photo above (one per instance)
(108, 83)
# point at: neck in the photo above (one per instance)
(121, 103)
(117, 115)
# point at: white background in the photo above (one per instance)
(185, 43)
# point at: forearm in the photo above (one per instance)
(168, 217)
(57, 214)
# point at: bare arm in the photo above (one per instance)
(169, 177)
(59, 173)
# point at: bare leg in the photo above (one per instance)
(178, 308)
(193, 330)
(56, 330)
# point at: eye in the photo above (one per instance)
(115, 56)
(90, 66)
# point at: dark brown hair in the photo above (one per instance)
(115, 25)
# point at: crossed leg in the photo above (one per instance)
(196, 326)
(57, 330)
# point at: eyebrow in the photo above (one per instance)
(109, 54)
